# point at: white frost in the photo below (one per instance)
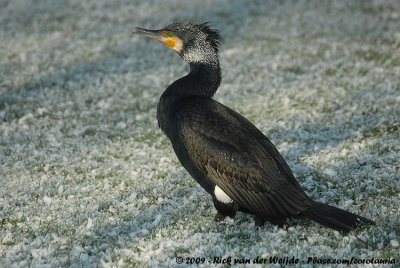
(87, 179)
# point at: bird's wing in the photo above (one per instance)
(235, 157)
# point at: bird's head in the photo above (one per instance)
(193, 42)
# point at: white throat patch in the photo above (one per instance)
(200, 54)
(222, 196)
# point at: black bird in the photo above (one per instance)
(224, 152)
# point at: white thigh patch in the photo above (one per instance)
(222, 196)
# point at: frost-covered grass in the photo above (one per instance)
(87, 178)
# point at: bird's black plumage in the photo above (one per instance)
(224, 152)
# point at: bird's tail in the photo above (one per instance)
(334, 217)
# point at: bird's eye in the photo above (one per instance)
(171, 34)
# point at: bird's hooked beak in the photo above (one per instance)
(167, 37)
(153, 34)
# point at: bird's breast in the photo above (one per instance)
(167, 116)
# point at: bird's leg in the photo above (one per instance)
(259, 221)
(219, 217)
(224, 210)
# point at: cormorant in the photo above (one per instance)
(224, 152)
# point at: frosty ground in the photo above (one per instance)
(87, 177)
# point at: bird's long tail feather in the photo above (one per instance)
(334, 217)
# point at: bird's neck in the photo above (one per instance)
(202, 81)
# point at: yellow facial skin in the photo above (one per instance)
(172, 41)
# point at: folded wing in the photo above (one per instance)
(238, 158)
